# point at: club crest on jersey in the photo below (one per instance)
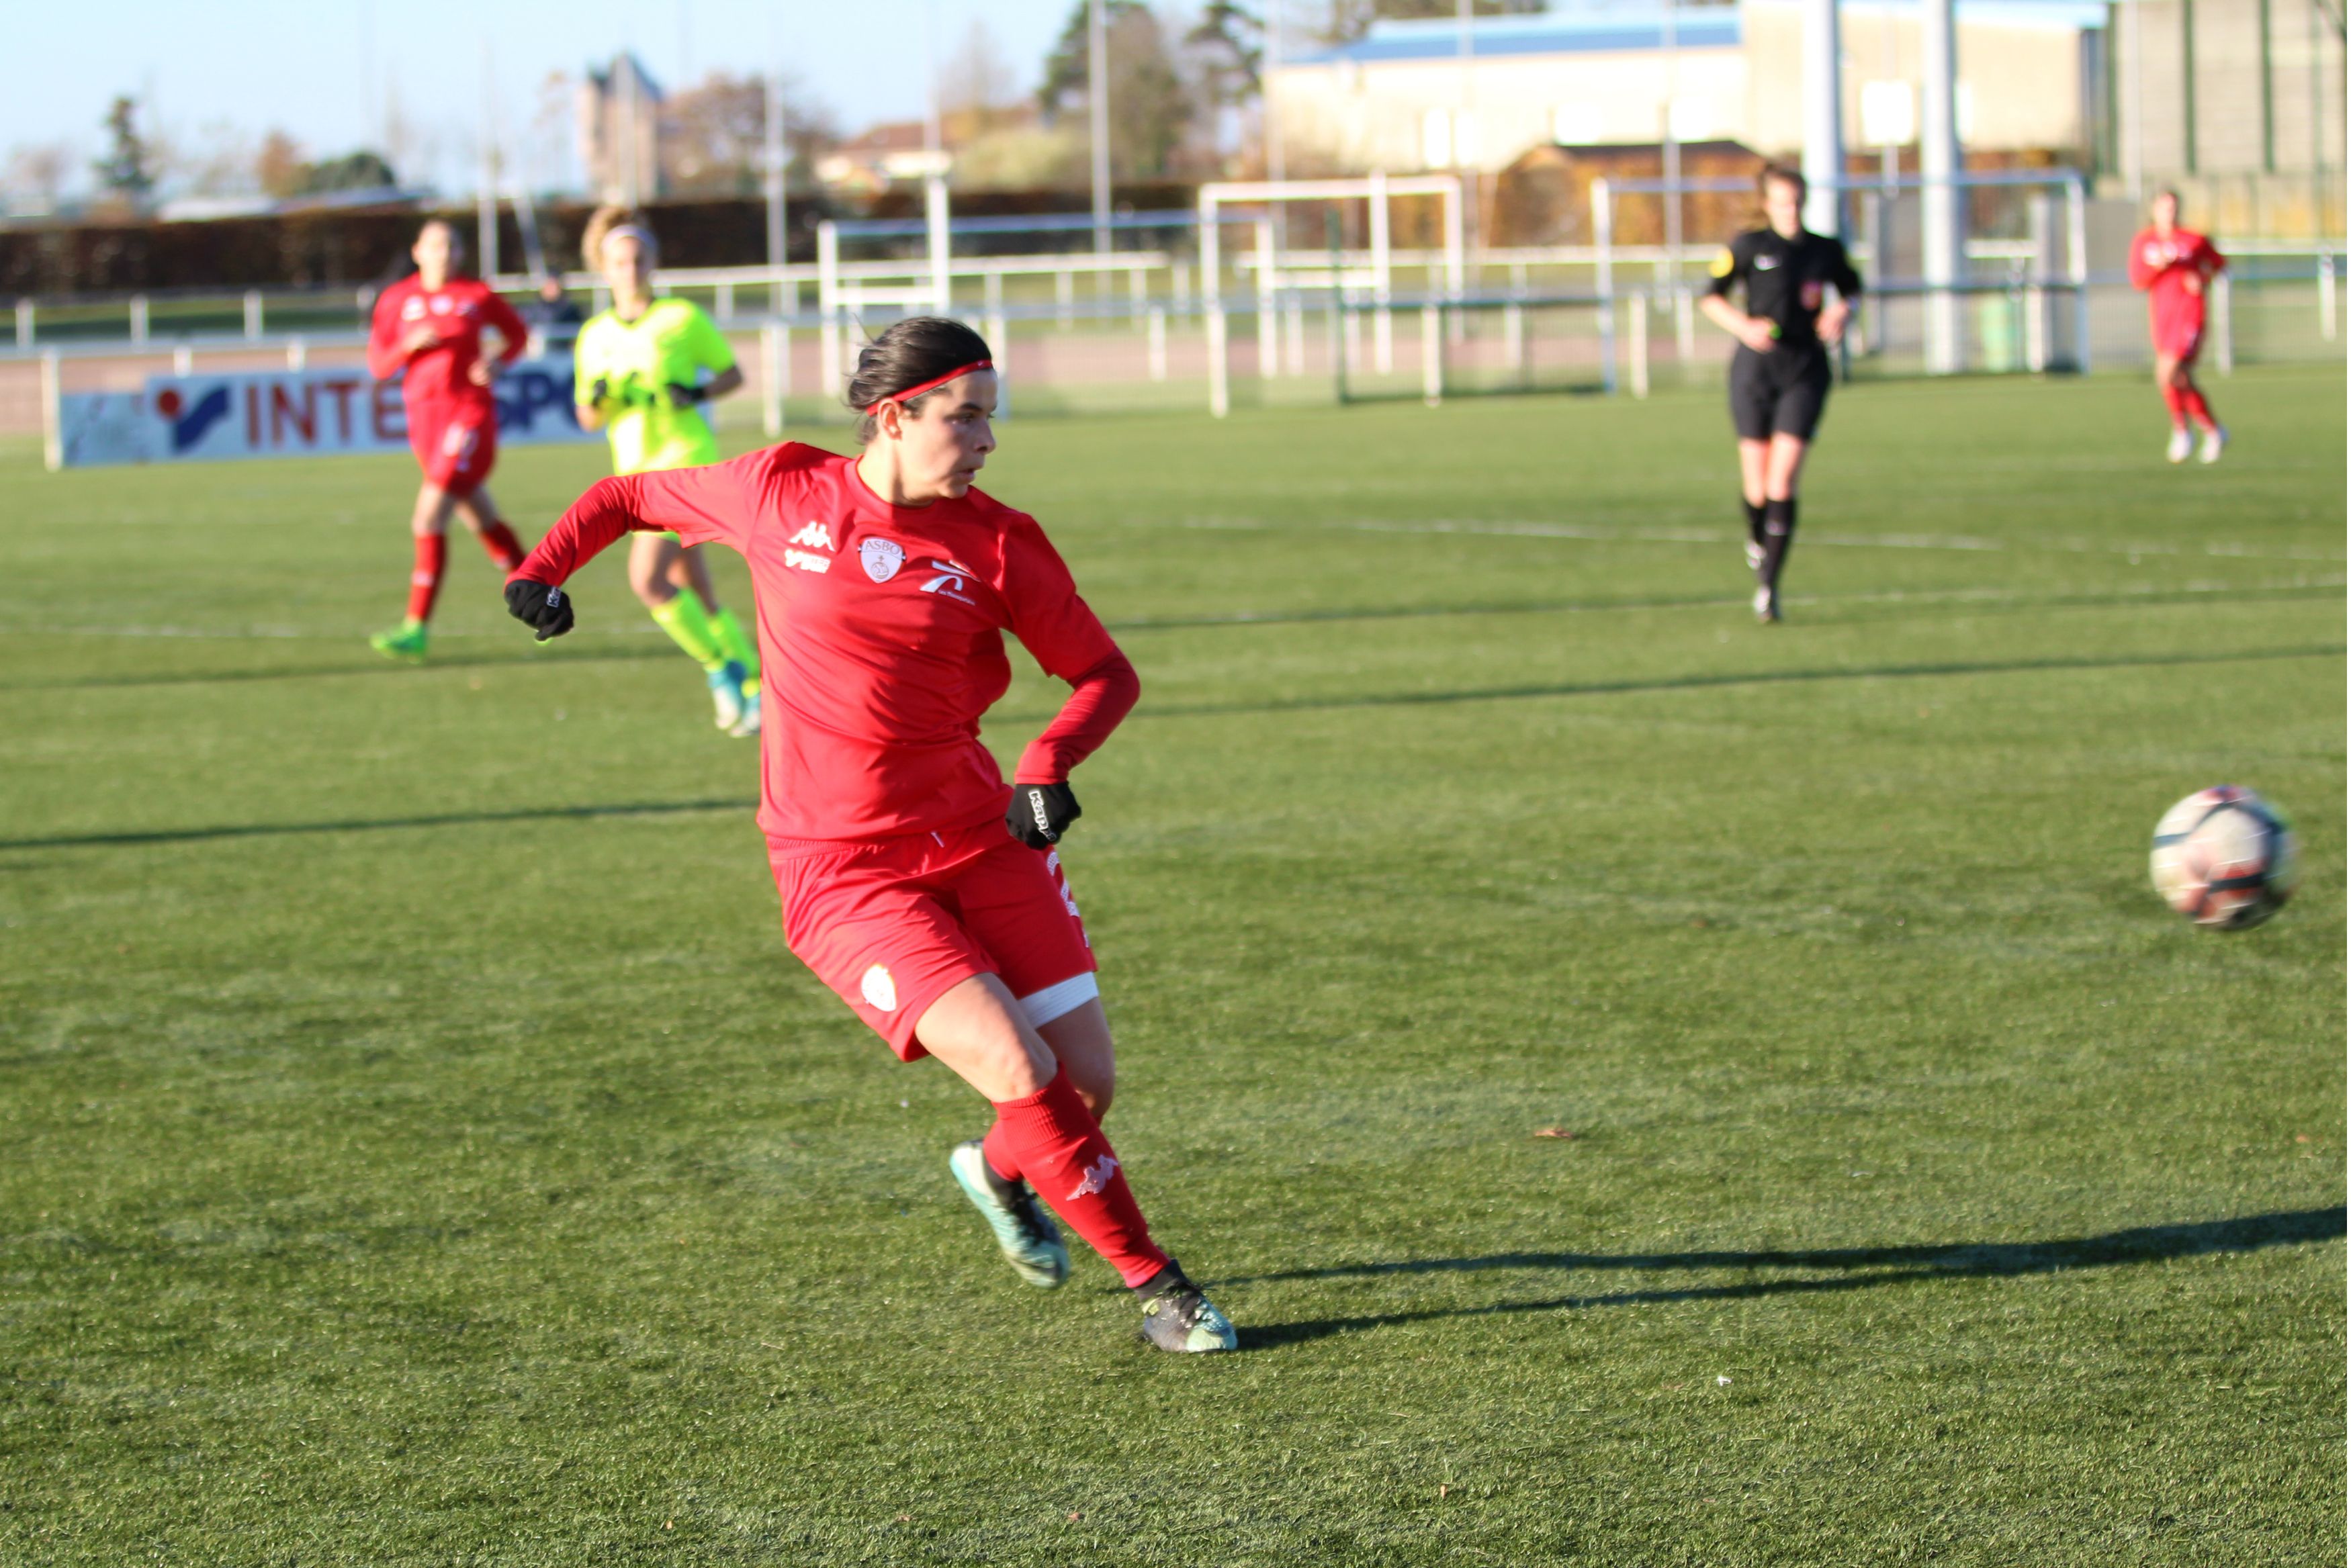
(881, 558)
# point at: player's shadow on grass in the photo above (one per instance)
(1828, 1269)
(374, 825)
(1735, 677)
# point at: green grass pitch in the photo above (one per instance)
(419, 1147)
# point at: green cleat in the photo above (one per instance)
(406, 642)
(1177, 1317)
(1025, 1234)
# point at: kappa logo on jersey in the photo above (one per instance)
(882, 992)
(1097, 1178)
(881, 558)
(413, 310)
(816, 535)
(950, 580)
(806, 562)
(1766, 263)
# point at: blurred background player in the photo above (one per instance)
(638, 374)
(1780, 373)
(915, 882)
(554, 317)
(427, 330)
(2175, 268)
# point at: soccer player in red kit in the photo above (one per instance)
(915, 882)
(428, 332)
(2175, 268)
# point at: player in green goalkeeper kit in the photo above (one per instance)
(637, 374)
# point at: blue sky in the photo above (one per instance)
(305, 67)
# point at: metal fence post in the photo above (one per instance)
(2224, 337)
(1156, 353)
(2326, 296)
(53, 442)
(1605, 276)
(1638, 348)
(23, 324)
(775, 369)
(1432, 355)
(253, 312)
(139, 318)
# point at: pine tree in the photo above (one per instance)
(128, 168)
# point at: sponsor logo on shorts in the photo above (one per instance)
(815, 535)
(1097, 1178)
(554, 598)
(881, 990)
(881, 558)
(807, 561)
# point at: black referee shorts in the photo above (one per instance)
(1778, 393)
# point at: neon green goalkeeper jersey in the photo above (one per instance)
(637, 361)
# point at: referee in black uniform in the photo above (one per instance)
(1780, 376)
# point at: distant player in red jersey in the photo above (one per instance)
(428, 331)
(915, 882)
(2176, 266)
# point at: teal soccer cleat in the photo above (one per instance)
(1025, 1233)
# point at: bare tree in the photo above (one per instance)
(35, 174)
(713, 135)
(976, 78)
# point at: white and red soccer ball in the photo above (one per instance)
(2224, 857)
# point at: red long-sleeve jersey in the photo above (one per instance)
(439, 376)
(2162, 264)
(880, 636)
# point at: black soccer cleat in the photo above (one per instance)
(1177, 1317)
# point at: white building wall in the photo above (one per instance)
(2021, 86)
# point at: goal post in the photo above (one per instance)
(1217, 201)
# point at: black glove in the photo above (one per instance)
(1040, 813)
(682, 396)
(599, 392)
(546, 610)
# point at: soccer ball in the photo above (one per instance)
(2224, 857)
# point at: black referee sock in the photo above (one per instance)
(1754, 519)
(1779, 533)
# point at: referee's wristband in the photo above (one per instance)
(682, 393)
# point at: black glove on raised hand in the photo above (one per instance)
(1040, 813)
(547, 610)
(684, 396)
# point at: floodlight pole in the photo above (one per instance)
(1823, 119)
(1941, 231)
(486, 199)
(778, 238)
(1266, 108)
(1098, 116)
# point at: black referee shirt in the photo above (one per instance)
(1786, 279)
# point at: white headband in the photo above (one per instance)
(642, 235)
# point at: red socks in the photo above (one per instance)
(2176, 401)
(424, 584)
(500, 542)
(2198, 408)
(1051, 1139)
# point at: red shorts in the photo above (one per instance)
(2179, 340)
(892, 924)
(456, 447)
